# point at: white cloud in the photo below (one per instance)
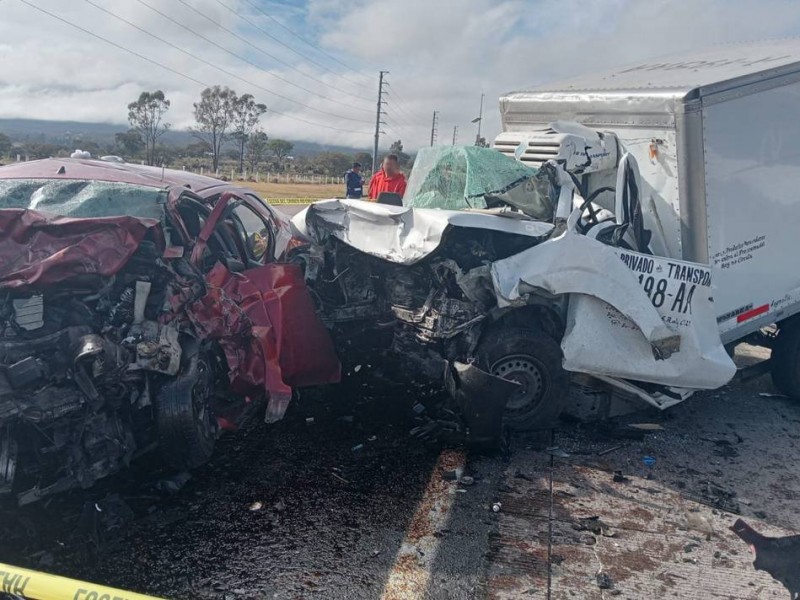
(441, 54)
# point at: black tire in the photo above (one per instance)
(785, 360)
(534, 359)
(187, 430)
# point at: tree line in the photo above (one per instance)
(221, 117)
(227, 133)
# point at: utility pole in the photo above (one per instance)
(378, 121)
(433, 126)
(480, 121)
(455, 134)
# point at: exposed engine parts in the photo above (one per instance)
(429, 317)
(80, 369)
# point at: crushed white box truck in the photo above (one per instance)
(659, 228)
(715, 138)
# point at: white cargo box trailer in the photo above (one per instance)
(717, 140)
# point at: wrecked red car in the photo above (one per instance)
(140, 309)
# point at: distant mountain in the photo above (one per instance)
(73, 132)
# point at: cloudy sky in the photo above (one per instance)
(315, 63)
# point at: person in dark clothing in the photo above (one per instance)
(354, 181)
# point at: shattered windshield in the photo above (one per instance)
(81, 198)
(470, 177)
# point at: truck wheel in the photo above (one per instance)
(533, 359)
(785, 360)
(187, 429)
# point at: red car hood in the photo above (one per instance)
(37, 249)
(263, 318)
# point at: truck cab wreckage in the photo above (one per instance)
(494, 276)
(629, 228)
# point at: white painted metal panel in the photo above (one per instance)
(708, 71)
(658, 185)
(752, 153)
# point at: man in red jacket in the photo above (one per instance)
(388, 179)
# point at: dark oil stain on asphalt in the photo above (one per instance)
(318, 503)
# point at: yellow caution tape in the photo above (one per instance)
(41, 586)
(292, 200)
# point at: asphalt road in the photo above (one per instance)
(337, 501)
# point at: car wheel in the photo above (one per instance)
(785, 360)
(532, 359)
(187, 429)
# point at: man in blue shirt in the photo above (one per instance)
(354, 182)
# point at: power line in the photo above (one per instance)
(213, 66)
(249, 62)
(404, 105)
(406, 118)
(285, 45)
(401, 110)
(265, 53)
(399, 131)
(305, 41)
(396, 120)
(170, 69)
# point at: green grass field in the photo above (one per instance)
(287, 191)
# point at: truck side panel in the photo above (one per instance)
(752, 154)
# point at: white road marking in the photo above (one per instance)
(411, 572)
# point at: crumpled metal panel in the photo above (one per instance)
(399, 234)
(265, 322)
(631, 315)
(263, 318)
(39, 249)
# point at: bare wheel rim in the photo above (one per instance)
(530, 374)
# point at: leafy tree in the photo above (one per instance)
(165, 155)
(397, 148)
(256, 149)
(129, 143)
(365, 158)
(146, 117)
(197, 149)
(245, 120)
(90, 146)
(214, 115)
(280, 149)
(5, 144)
(44, 150)
(331, 163)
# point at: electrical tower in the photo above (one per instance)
(378, 121)
(434, 127)
(455, 134)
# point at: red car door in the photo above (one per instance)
(263, 317)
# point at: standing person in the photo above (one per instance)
(354, 181)
(388, 179)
